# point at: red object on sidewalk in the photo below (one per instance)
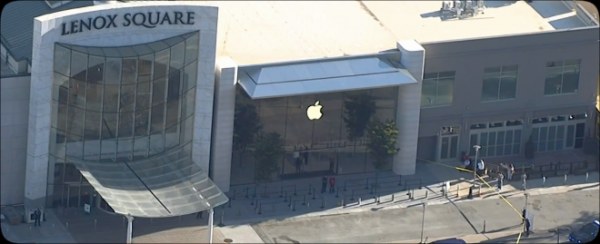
(331, 181)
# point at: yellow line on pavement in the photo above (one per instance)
(486, 183)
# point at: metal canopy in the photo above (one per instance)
(166, 185)
(322, 77)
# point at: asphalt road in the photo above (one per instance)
(550, 211)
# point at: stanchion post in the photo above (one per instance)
(367, 184)
(587, 175)
(479, 192)
(393, 197)
(457, 191)
(233, 197)
(359, 202)
(304, 203)
(565, 179)
(544, 181)
(285, 196)
(221, 224)
(483, 226)
(426, 193)
(281, 192)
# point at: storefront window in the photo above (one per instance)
(119, 102)
(316, 146)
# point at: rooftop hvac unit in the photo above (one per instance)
(462, 8)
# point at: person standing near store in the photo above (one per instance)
(510, 171)
(527, 227)
(37, 216)
(500, 179)
(331, 184)
(323, 184)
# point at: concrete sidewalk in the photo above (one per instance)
(504, 237)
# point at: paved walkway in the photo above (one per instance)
(267, 204)
(550, 211)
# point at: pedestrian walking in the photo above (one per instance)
(323, 184)
(523, 216)
(331, 184)
(527, 227)
(199, 215)
(500, 179)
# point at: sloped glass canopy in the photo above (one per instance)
(166, 185)
(322, 77)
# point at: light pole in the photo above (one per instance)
(129, 227)
(423, 219)
(211, 214)
(477, 147)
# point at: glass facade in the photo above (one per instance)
(322, 146)
(438, 89)
(118, 103)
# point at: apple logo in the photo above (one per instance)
(313, 112)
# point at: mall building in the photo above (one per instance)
(130, 106)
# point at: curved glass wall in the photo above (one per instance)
(119, 104)
(313, 147)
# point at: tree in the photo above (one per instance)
(383, 137)
(268, 151)
(358, 111)
(246, 125)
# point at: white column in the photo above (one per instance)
(409, 108)
(224, 113)
(129, 227)
(211, 215)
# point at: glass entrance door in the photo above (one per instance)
(448, 148)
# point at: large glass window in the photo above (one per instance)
(318, 146)
(499, 83)
(562, 77)
(122, 102)
(438, 89)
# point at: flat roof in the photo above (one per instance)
(253, 32)
(257, 32)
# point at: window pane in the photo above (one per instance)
(161, 63)
(172, 116)
(453, 146)
(553, 81)
(492, 138)
(94, 97)
(189, 101)
(142, 100)
(158, 91)
(543, 133)
(510, 70)
(93, 121)
(189, 76)
(508, 149)
(157, 144)
(113, 71)
(111, 99)
(145, 68)
(445, 146)
(174, 85)
(79, 65)
(186, 130)
(127, 96)
(579, 130)
(517, 137)
(109, 125)
(177, 56)
(140, 145)
(62, 60)
(445, 91)
(75, 125)
(570, 136)
(191, 48)
(125, 124)
(74, 146)
(483, 138)
(570, 79)
(560, 132)
(495, 71)
(508, 87)
(428, 93)
(552, 133)
(500, 138)
(490, 89)
(158, 112)
(142, 120)
(129, 75)
(516, 149)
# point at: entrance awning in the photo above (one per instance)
(165, 185)
(322, 76)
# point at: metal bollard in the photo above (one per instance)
(392, 197)
(67, 225)
(457, 191)
(587, 175)
(359, 201)
(285, 197)
(343, 203)
(565, 179)
(544, 181)
(294, 206)
(221, 224)
(304, 203)
(426, 193)
(252, 201)
(291, 205)
(95, 223)
(378, 198)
